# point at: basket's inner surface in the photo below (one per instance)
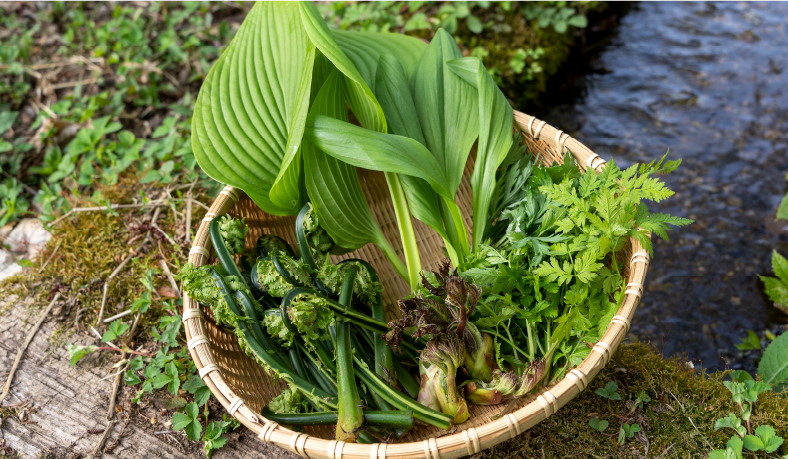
(255, 386)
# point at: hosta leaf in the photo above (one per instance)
(333, 185)
(365, 48)
(358, 94)
(249, 116)
(495, 137)
(447, 108)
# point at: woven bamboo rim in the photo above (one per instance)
(243, 388)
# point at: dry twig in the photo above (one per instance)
(7, 387)
(115, 388)
(50, 257)
(169, 275)
(102, 440)
(113, 206)
(117, 316)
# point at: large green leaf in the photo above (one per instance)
(249, 116)
(391, 89)
(333, 185)
(365, 48)
(495, 137)
(774, 363)
(365, 107)
(375, 151)
(358, 95)
(447, 107)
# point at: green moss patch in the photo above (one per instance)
(678, 421)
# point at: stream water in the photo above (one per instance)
(709, 81)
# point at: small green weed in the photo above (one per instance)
(610, 391)
(745, 391)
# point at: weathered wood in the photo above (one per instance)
(66, 402)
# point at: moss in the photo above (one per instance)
(685, 404)
(92, 245)
(519, 50)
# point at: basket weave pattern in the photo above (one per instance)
(244, 388)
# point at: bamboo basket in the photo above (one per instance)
(244, 388)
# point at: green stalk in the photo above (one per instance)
(396, 419)
(406, 380)
(221, 250)
(393, 258)
(406, 232)
(298, 365)
(323, 380)
(350, 416)
(256, 328)
(384, 357)
(455, 230)
(367, 438)
(399, 401)
(310, 391)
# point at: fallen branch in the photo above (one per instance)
(666, 451)
(107, 348)
(7, 387)
(50, 257)
(117, 316)
(169, 275)
(95, 454)
(115, 388)
(113, 206)
(201, 204)
(114, 444)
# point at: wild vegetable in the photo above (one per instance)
(308, 341)
(519, 297)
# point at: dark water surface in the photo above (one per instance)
(709, 81)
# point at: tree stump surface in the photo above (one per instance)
(59, 407)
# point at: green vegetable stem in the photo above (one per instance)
(394, 419)
(349, 416)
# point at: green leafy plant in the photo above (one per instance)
(773, 367)
(116, 329)
(189, 421)
(782, 209)
(213, 433)
(559, 16)
(76, 353)
(777, 287)
(744, 391)
(750, 342)
(639, 401)
(628, 431)
(598, 424)
(610, 391)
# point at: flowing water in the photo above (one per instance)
(709, 81)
